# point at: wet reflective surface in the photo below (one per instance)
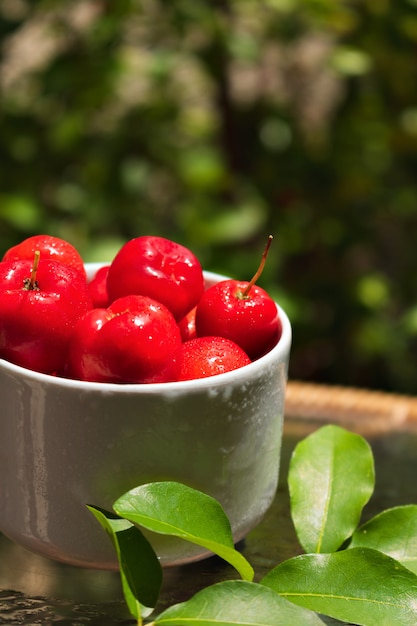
(35, 590)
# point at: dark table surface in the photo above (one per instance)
(35, 590)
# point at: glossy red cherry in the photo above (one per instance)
(240, 311)
(134, 340)
(40, 303)
(55, 248)
(160, 269)
(209, 356)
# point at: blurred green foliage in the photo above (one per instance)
(215, 123)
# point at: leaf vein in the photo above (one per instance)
(325, 509)
(344, 598)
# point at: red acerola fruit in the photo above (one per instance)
(98, 288)
(160, 269)
(135, 340)
(40, 303)
(240, 311)
(209, 356)
(187, 325)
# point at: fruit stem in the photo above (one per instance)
(31, 284)
(245, 292)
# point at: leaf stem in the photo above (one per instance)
(31, 284)
(245, 292)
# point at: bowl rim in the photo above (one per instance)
(279, 353)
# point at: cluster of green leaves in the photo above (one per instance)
(364, 574)
(214, 123)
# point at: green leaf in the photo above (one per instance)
(237, 602)
(140, 570)
(331, 478)
(171, 508)
(393, 532)
(361, 585)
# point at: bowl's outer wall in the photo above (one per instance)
(65, 446)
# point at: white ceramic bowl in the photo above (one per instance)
(67, 443)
